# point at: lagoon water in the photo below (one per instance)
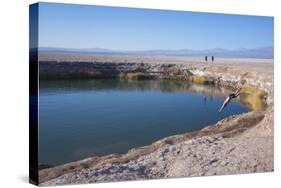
(83, 118)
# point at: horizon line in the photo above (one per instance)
(155, 49)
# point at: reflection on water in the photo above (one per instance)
(83, 118)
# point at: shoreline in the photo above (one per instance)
(256, 126)
(226, 127)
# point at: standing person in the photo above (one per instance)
(213, 59)
(206, 58)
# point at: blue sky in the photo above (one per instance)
(88, 26)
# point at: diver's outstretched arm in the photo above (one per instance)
(226, 101)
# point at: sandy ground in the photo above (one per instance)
(238, 144)
(68, 57)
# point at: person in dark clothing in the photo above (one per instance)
(228, 99)
(206, 58)
(213, 59)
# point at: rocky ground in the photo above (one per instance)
(197, 157)
(237, 144)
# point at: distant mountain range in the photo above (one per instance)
(264, 52)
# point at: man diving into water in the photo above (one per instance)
(228, 99)
(241, 82)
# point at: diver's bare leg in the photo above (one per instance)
(237, 92)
